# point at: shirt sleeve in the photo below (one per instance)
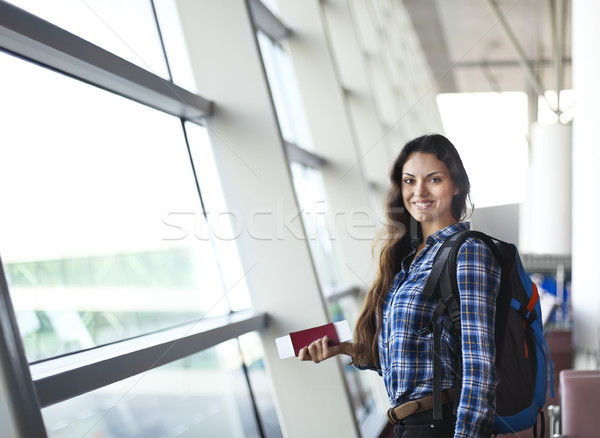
(370, 367)
(478, 275)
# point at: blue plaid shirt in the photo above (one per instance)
(406, 343)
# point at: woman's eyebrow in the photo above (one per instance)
(427, 176)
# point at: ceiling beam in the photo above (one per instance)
(507, 63)
(521, 56)
(558, 11)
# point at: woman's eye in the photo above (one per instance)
(408, 181)
(435, 179)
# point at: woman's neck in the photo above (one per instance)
(429, 228)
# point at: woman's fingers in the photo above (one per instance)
(314, 352)
(303, 354)
(318, 349)
(325, 350)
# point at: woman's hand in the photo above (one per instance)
(320, 350)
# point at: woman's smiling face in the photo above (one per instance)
(428, 191)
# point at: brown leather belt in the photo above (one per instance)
(395, 415)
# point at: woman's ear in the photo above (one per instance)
(456, 191)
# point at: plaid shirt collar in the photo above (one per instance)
(441, 235)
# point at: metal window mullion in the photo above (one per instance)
(335, 294)
(267, 22)
(253, 398)
(21, 394)
(68, 376)
(37, 40)
(303, 156)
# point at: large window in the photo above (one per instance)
(91, 250)
(107, 240)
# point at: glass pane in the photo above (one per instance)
(204, 395)
(309, 188)
(127, 29)
(361, 394)
(253, 355)
(177, 53)
(93, 247)
(223, 225)
(285, 92)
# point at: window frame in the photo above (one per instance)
(43, 383)
(64, 377)
(30, 37)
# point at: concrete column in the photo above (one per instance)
(549, 206)
(586, 181)
(311, 400)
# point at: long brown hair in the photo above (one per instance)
(396, 237)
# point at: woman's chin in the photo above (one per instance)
(423, 216)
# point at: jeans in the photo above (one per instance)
(421, 424)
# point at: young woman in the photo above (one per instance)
(426, 204)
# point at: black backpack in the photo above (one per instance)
(523, 364)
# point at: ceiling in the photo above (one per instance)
(467, 44)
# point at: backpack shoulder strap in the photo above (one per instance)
(442, 279)
(448, 253)
(442, 282)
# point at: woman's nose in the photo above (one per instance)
(421, 189)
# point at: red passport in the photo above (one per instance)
(303, 338)
(290, 345)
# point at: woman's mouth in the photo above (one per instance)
(423, 205)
